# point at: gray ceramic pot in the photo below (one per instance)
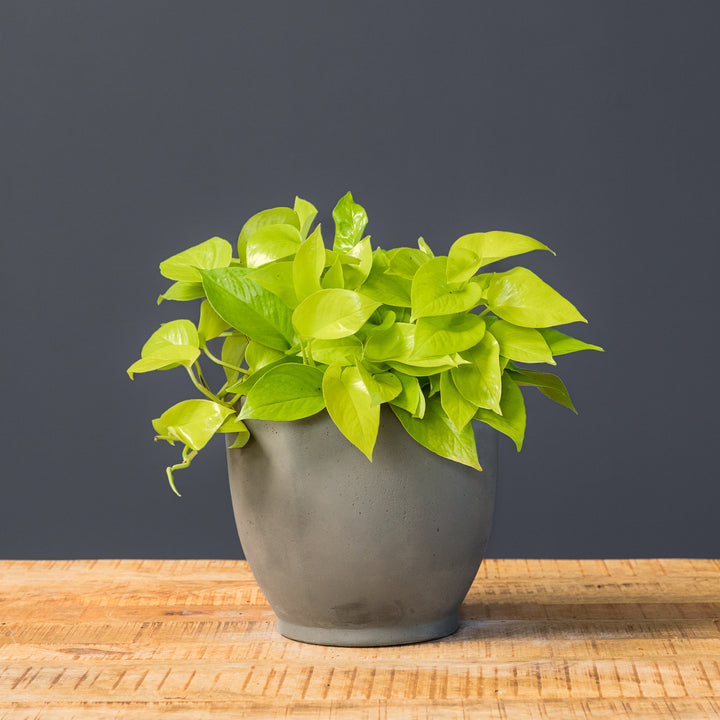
(354, 553)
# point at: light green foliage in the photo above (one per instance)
(350, 405)
(213, 253)
(301, 328)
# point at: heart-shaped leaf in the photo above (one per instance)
(480, 380)
(444, 334)
(306, 213)
(549, 385)
(522, 298)
(561, 344)
(308, 265)
(272, 242)
(192, 422)
(437, 433)
(431, 294)
(213, 253)
(248, 307)
(521, 343)
(460, 410)
(332, 313)
(351, 408)
(272, 216)
(511, 421)
(350, 221)
(286, 392)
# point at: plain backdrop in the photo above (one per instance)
(131, 130)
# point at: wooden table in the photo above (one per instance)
(195, 639)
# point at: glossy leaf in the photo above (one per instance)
(561, 344)
(306, 212)
(332, 313)
(460, 410)
(174, 343)
(522, 298)
(480, 380)
(549, 385)
(411, 397)
(444, 334)
(405, 262)
(272, 242)
(286, 392)
(192, 422)
(182, 291)
(343, 351)
(427, 367)
(395, 342)
(487, 247)
(437, 433)
(333, 277)
(386, 288)
(382, 387)
(233, 353)
(350, 406)
(273, 216)
(431, 295)
(521, 343)
(211, 324)
(308, 265)
(213, 253)
(258, 355)
(355, 274)
(277, 277)
(249, 307)
(512, 420)
(425, 248)
(233, 425)
(350, 221)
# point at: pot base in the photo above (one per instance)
(370, 636)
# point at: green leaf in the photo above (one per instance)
(411, 397)
(233, 353)
(174, 343)
(183, 291)
(192, 422)
(521, 343)
(425, 248)
(249, 307)
(428, 366)
(480, 381)
(431, 295)
(512, 420)
(343, 351)
(444, 334)
(437, 433)
(306, 213)
(487, 248)
(211, 324)
(258, 355)
(354, 275)
(333, 277)
(405, 262)
(395, 342)
(277, 277)
(386, 288)
(332, 313)
(561, 344)
(460, 410)
(286, 392)
(213, 253)
(382, 387)
(308, 265)
(350, 406)
(350, 221)
(272, 242)
(233, 425)
(273, 216)
(548, 384)
(522, 298)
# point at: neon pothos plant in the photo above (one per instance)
(304, 328)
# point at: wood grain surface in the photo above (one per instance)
(195, 639)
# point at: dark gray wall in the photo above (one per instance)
(133, 129)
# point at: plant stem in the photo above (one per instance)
(187, 456)
(203, 390)
(223, 363)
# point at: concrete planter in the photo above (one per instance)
(355, 553)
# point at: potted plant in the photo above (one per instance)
(416, 359)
